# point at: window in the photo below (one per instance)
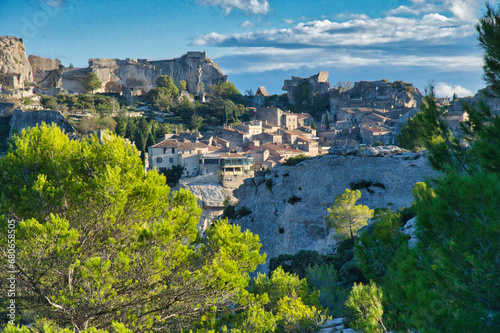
(159, 160)
(173, 150)
(165, 151)
(171, 160)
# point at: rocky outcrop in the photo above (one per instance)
(376, 94)
(212, 197)
(140, 74)
(25, 119)
(410, 228)
(46, 72)
(318, 83)
(289, 204)
(335, 325)
(15, 68)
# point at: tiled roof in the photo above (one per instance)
(181, 145)
(303, 138)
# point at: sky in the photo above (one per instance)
(264, 42)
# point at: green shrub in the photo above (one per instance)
(292, 161)
(293, 199)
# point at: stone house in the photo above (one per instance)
(327, 137)
(307, 131)
(259, 99)
(371, 133)
(235, 137)
(270, 116)
(304, 119)
(289, 120)
(168, 153)
(252, 127)
(352, 115)
(259, 156)
(268, 128)
(307, 145)
(282, 150)
(269, 138)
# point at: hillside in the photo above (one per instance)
(286, 227)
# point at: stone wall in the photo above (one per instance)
(288, 228)
(15, 68)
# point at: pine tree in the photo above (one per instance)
(313, 125)
(327, 120)
(346, 217)
(100, 242)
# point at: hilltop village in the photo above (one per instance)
(154, 196)
(210, 126)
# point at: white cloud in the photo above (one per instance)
(356, 32)
(258, 7)
(443, 89)
(247, 24)
(261, 59)
(465, 10)
(288, 21)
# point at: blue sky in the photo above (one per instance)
(264, 42)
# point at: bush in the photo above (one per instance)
(365, 184)
(293, 199)
(298, 263)
(292, 161)
(230, 212)
(332, 295)
(269, 184)
(365, 304)
(243, 211)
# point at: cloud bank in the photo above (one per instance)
(443, 89)
(257, 7)
(433, 28)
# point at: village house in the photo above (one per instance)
(371, 133)
(260, 97)
(285, 152)
(304, 119)
(169, 153)
(308, 145)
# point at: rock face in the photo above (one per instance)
(319, 84)
(15, 68)
(211, 197)
(289, 205)
(46, 72)
(25, 119)
(140, 74)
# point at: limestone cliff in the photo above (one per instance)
(140, 74)
(211, 197)
(45, 71)
(25, 119)
(285, 227)
(15, 68)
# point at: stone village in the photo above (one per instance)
(358, 115)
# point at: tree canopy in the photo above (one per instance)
(345, 216)
(91, 82)
(99, 241)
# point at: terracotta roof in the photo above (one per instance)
(376, 129)
(365, 110)
(181, 145)
(303, 115)
(261, 91)
(303, 138)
